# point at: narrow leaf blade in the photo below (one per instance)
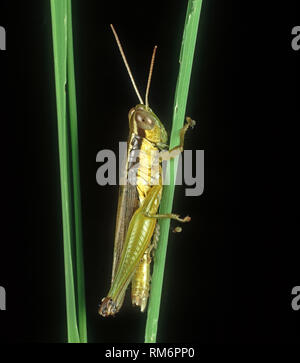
(180, 101)
(59, 33)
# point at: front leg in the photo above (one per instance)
(175, 151)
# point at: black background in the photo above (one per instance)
(229, 275)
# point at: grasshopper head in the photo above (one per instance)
(144, 122)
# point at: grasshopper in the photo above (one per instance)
(138, 203)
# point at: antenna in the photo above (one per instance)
(126, 64)
(150, 74)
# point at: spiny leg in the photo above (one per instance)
(166, 155)
(190, 123)
(170, 216)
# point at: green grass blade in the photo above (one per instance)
(59, 32)
(181, 94)
(81, 308)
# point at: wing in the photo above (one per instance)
(127, 204)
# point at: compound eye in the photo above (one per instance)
(144, 120)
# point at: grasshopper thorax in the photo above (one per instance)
(144, 122)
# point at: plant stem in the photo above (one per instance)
(69, 167)
(81, 308)
(180, 101)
